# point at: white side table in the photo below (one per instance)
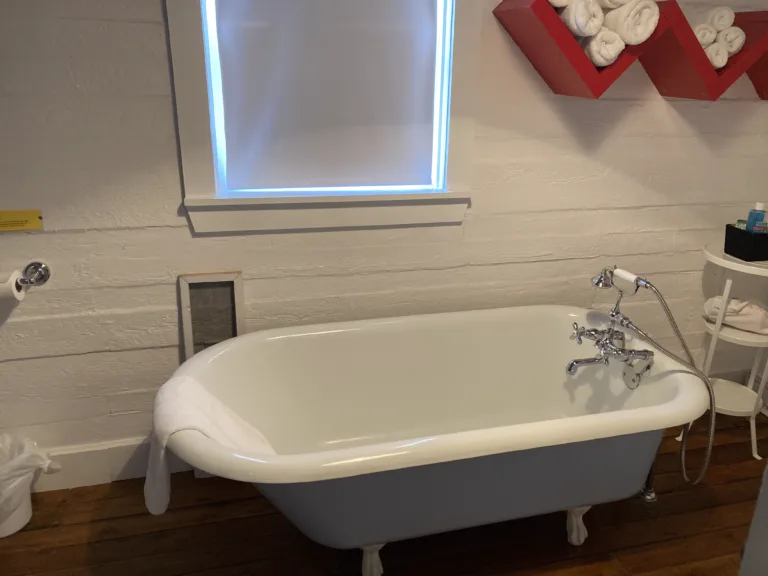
(732, 398)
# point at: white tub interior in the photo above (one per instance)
(347, 385)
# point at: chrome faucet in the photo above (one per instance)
(611, 342)
(610, 345)
(574, 365)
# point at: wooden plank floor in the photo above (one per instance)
(220, 528)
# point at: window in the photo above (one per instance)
(323, 97)
(295, 102)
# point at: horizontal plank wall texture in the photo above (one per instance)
(561, 187)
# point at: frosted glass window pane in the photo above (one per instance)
(327, 93)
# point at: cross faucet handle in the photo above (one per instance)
(578, 333)
(608, 335)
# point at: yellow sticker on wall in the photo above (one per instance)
(15, 220)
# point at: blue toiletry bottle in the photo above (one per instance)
(756, 220)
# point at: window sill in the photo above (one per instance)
(230, 215)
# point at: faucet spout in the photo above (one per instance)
(574, 365)
(610, 343)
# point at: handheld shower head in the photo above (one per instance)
(603, 280)
(620, 279)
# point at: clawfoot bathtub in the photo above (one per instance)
(390, 429)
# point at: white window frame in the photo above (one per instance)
(210, 213)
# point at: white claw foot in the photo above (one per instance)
(372, 561)
(577, 531)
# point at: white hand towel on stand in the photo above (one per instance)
(739, 314)
(717, 54)
(583, 17)
(559, 3)
(635, 21)
(721, 18)
(185, 404)
(604, 47)
(706, 34)
(733, 38)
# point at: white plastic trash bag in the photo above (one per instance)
(20, 458)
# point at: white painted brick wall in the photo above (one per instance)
(561, 188)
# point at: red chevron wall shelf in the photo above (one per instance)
(672, 57)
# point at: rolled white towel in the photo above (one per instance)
(721, 18)
(706, 34)
(604, 47)
(559, 3)
(611, 4)
(733, 38)
(635, 21)
(583, 17)
(717, 54)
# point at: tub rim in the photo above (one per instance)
(689, 402)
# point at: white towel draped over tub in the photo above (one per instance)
(739, 314)
(185, 404)
(635, 21)
(604, 47)
(583, 17)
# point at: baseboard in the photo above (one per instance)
(102, 463)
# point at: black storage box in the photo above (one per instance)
(744, 245)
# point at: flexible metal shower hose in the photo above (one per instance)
(690, 364)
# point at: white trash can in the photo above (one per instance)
(20, 459)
